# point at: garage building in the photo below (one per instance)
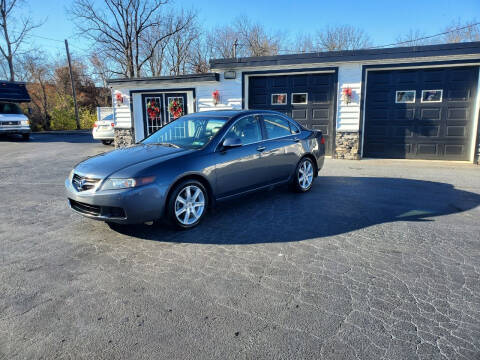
(409, 102)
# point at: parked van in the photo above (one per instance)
(12, 119)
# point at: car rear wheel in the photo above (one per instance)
(187, 204)
(304, 175)
(107, 142)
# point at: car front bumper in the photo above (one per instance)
(15, 130)
(126, 206)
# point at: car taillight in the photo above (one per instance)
(95, 125)
(322, 141)
(113, 124)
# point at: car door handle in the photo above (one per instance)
(261, 148)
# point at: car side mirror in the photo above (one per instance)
(231, 142)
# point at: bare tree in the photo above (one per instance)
(342, 37)
(221, 40)
(255, 39)
(304, 43)
(179, 48)
(414, 38)
(252, 39)
(15, 30)
(156, 62)
(170, 55)
(39, 76)
(118, 26)
(459, 31)
(199, 56)
(100, 70)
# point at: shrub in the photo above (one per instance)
(63, 114)
(87, 118)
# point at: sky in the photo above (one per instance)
(384, 21)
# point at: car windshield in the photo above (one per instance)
(188, 132)
(10, 108)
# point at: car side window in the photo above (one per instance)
(247, 129)
(278, 127)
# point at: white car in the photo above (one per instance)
(13, 121)
(103, 130)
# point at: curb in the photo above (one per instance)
(63, 132)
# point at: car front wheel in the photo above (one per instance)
(107, 142)
(304, 175)
(188, 204)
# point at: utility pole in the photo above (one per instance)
(73, 85)
(235, 44)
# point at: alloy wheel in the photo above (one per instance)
(189, 205)
(305, 174)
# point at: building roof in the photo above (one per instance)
(13, 91)
(169, 79)
(350, 55)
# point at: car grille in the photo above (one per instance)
(95, 210)
(82, 183)
(85, 208)
(4, 123)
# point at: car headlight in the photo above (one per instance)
(25, 122)
(70, 176)
(116, 184)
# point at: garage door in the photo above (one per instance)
(307, 98)
(420, 114)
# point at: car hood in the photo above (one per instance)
(10, 117)
(103, 165)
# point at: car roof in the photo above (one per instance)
(232, 113)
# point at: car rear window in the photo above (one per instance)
(278, 127)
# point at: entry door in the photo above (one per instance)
(175, 105)
(161, 108)
(153, 112)
(420, 113)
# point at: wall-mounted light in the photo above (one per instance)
(231, 74)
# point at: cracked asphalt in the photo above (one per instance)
(381, 260)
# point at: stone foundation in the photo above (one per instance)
(124, 138)
(347, 145)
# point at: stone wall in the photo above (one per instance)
(347, 145)
(124, 138)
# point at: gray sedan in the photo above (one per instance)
(181, 170)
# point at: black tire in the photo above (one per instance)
(296, 182)
(107, 142)
(26, 137)
(172, 202)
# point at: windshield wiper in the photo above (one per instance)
(166, 144)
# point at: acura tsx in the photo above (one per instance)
(188, 165)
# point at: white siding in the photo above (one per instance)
(348, 115)
(122, 111)
(230, 94)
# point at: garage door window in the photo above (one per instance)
(279, 99)
(432, 96)
(405, 96)
(278, 127)
(299, 98)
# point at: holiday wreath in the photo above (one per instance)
(175, 108)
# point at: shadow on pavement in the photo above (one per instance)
(82, 137)
(335, 205)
